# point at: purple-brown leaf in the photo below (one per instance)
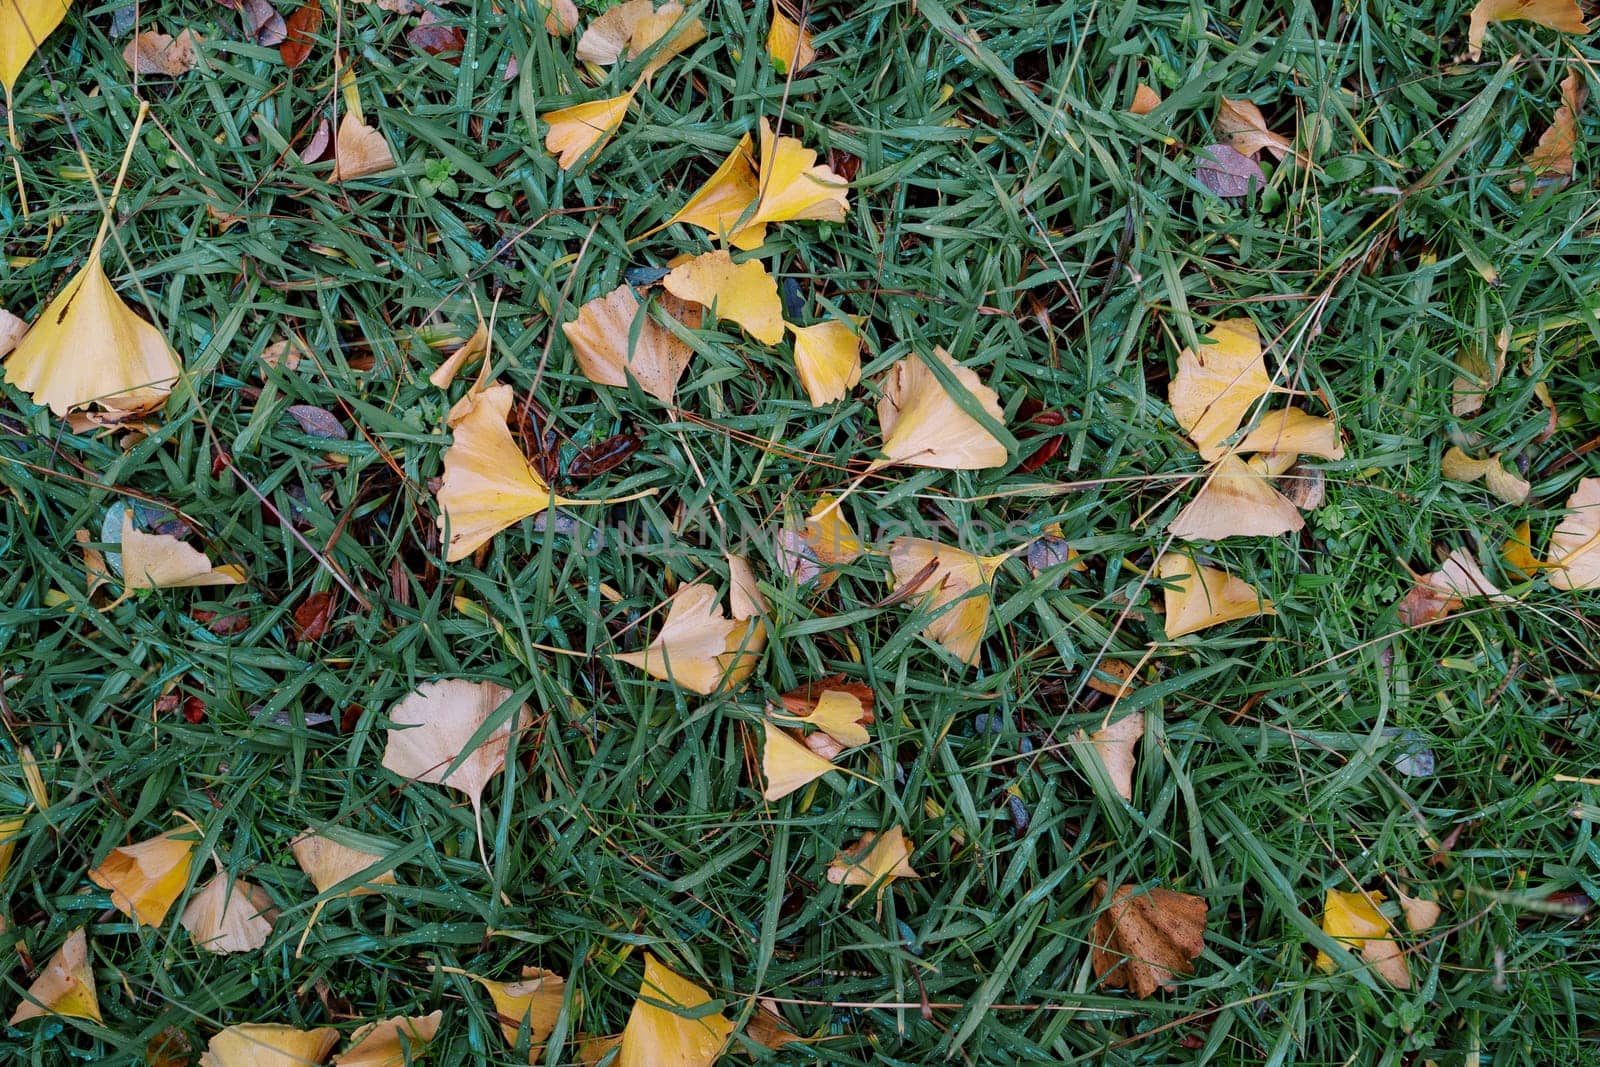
(1227, 173)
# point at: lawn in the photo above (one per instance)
(1006, 206)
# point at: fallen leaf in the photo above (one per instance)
(1421, 915)
(535, 1000)
(87, 347)
(575, 130)
(1551, 159)
(434, 727)
(1291, 431)
(1145, 100)
(10, 833)
(436, 39)
(395, 1042)
(268, 1045)
(837, 713)
(161, 561)
(1218, 383)
(787, 764)
(614, 338)
(659, 1036)
(824, 543)
(1563, 15)
(1223, 170)
(1459, 467)
(318, 422)
(767, 1028)
(263, 23)
(788, 44)
(1354, 919)
(1114, 746)
(471, 350)
(1143, 940)
(794, 186)
(229, 915)
(301, 28)
(11, 331)
(959, 578)
(1517, 552)
(146, 878)
(561, 16)
(359, 151)
(802, 699)
(170, 1047)
(651, 33)
(1217, 597)
(722, 202)
(1436, 595)
(1235, 501)
(329, 862)
(923, 426)
(827, 357)
(312, 617)
(607, 36)
(1574, 552)
(488, 483)
(152, 53)
(24, 25)
(1242, 122)
(698, 647)
(64, 987)
(743, 293)
(1480, 374)
(875, 860)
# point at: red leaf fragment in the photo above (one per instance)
(312, 617)
(436, 40)
(302, 27)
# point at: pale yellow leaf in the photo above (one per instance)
(535, 1001)
(1563, 15)
(64, 987)
(269, 1045)
(793, 186)
(957, 578)
(743, 293)
(229, 915)
(397, 1042)
(923, 426)
(1291, 430)
(1354, 919)
(1458, 466)
(329, 862)
(24, 24)
(1115, 745)
(359, 151)
(609, 352)
(1574, 553)
(827, 357)
(875, 860)
(162, 561)
(719, 204)
(434, 726)
(1197, 597)
(699, 647)
(1218, 383)
(788, 44)
(1236, 501)
(1245, 127)
(788, 765)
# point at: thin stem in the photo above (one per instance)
(109, 207)
(16, 160)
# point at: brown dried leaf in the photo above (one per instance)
(157, 53)
(1246, 128)
(312, 617)
(1145, 100)
(301, 27)
(263, 23)
(1231, 175)
(1142, 940)
(436, 40)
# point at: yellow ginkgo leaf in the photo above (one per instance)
(1291, 430)
(615, 339)
(658, 1036)
(432, 734)
(359, 150)
(229, 915)
(666, 24)
(1517, 552)
(162, 561)
(10, 833)
(698, 647)
(839, 715)
(793, 186)
(743, 293)
(471, 350)
(1574, 553)
(827, 356)
(1354, 919)
(488, 483)
(787, 765)
(64, 987)
(577, 129)
(1563, 15)
(329, 862)
(88, 347)
(719, 204)
(1460, 467)
(1420, 914)
(268, 1045)
(396, 1042)
(923, 426)
(146, 878)
(1218, 383)
(1197, 597)
(943, 576)
(1236, 501)
(535, 1001)
(875, 860)
(24, 24)
(788, 43)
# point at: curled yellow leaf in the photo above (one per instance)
(1197, 597)
(875, 860)
(576, 130)
(146, 878)
(951, 583)
(1354, 919)
(827, 357)
(64, 987)
(1460, 467)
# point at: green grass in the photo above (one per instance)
(1005, 208)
